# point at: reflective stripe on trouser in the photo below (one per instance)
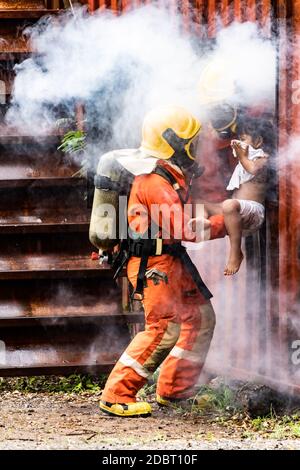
(179, 328)
(144, 354)
(180, 370)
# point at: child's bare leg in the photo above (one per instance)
(210, 208)
(213, 208)
(233, 223)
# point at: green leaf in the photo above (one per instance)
(73, 142)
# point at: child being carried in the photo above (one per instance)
(244, 213)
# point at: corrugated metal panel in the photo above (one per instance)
(254, 332)
(206, 13)
(289, 196)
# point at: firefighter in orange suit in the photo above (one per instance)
(179, 316)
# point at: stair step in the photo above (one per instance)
(14, 54)
(9, 132)
(42, 182)
(84, 367)
(15, 138)
(22, 4)
(39, 162)
(77, 317)
(81, 346)
(50, 265)
(21, 14)
(44, 299)
(34, 204)
(41, 167)
(56, 301)
(41, 221)
(12, 44)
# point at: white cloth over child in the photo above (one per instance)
(240, 175)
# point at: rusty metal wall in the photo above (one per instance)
(289, 194)
(203, 12)
(257, 310)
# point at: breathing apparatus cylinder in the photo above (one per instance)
(104, 225)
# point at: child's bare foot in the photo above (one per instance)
(234, 263)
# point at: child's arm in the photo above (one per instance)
(252, 166)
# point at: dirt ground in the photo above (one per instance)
(70, 421)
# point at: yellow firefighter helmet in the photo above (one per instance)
(216, 83)
(216, 90)
(169, 130)
(223, 117)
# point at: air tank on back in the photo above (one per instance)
(104, 225)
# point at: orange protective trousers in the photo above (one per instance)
(179, 322)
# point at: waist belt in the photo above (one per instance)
(145, 248)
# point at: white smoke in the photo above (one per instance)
(252, 61)
(127, 65)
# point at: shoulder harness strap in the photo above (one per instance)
(177, 250)
(164, 173)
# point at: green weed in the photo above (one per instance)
(75, 383)
(220, 400)
(277, 427)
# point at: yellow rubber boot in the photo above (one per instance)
(140, 408)
(202, 402)
(169, 402)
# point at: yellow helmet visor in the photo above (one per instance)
(191, 146)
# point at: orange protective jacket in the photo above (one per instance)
(153, 191)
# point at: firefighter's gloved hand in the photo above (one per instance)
(104, 257)
(156, 276)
